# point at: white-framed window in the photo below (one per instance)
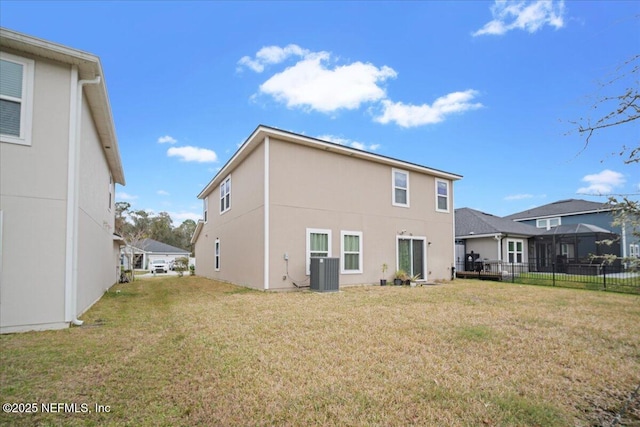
(400, 187)
(351, 252)
(225, 195)
(205, 209)
(634, 250)
(16, 98)
(515, 251)
(318, 245)
(217, 255)
(548, 223)
(442, 195)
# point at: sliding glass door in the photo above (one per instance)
(411, 255)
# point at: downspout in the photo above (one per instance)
(73, 168)
(266, 213)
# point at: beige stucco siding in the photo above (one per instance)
(33, 182)
(240, 229)
(319, 186)
(312, 188)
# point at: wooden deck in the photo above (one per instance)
(478, 275)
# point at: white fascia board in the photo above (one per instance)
(197, 231)
(89, 67)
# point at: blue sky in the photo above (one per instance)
(483, 89)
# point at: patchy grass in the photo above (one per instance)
(190, 351)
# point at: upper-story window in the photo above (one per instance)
(400, 187)
(205, 209)
(225, 195)
(16, 98)
(442, 195)
(548, 223)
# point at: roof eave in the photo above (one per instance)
(89, 67)
(197, 231)
(262, 131)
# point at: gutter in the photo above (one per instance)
(73, 167)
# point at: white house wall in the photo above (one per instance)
(97, 254)
(33, 200)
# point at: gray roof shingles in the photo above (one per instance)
(150, 245)
(559, 208)
(471, 222)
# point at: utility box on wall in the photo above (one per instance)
(325, 274)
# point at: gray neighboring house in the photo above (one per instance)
(59, 163)
(148, 250)
(572, 228)
(487, 242)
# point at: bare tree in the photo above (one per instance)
(622, 109)
(616, 109)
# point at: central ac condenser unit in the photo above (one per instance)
(325, 274)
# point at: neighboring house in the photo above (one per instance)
(59, 163)
(146, 251)
(565, 241)
(284, 198)
(485, 241)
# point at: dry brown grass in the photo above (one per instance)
(190, 351)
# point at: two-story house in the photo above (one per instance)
(284, 198)
(573, 230)
(59, 163)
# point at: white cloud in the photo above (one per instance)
(311, 84)
(350, 143)
(162, 193)
(167, 140)
(602, 183)
(407, 115)
(316, 83)
(523, 15)
(179, 217)
(519, 197)
(271, 55)
(193, 154)
(125, 196)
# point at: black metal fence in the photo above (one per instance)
(617, 277)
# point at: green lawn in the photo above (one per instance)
(613, 283)
(190, 351)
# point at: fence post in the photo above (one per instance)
(604, 276)
(553, 274)
(513, 275)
